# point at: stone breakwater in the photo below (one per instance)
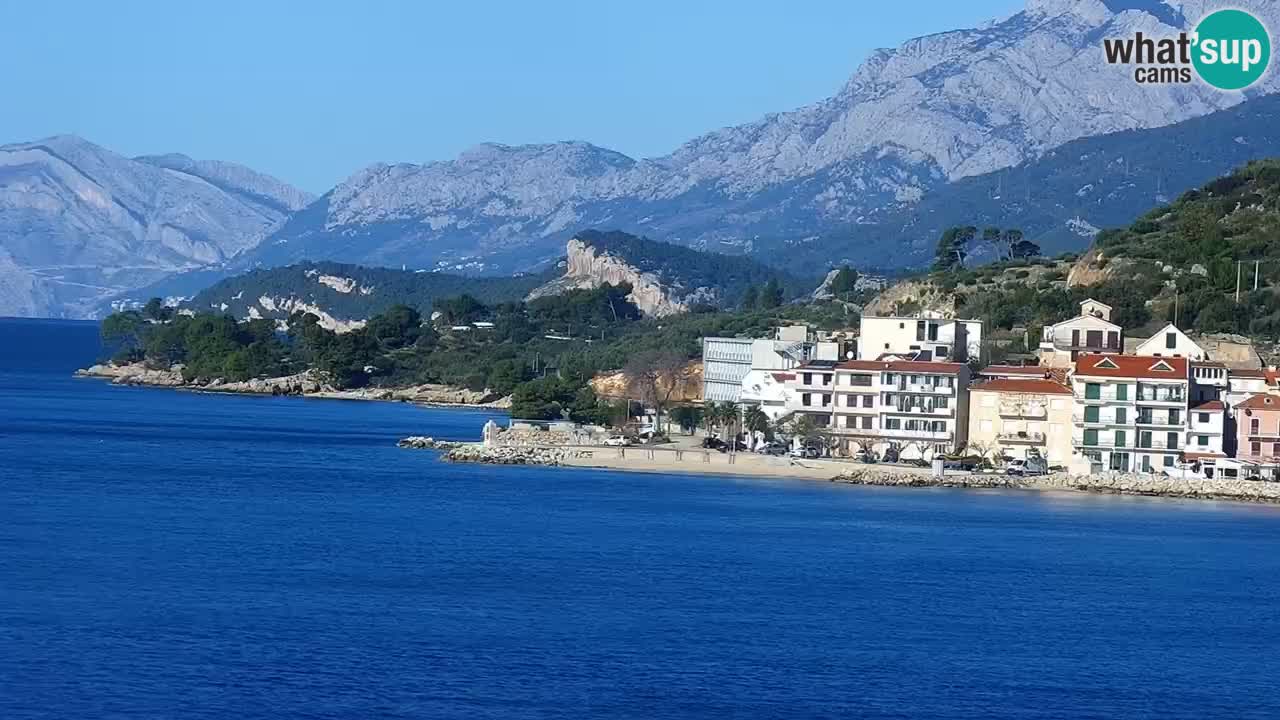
(418, 442)
(513, 455)
(1109, 484)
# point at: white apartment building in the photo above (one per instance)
(1130, 413)
(929, 338)
(908, 409)
(1207, 439)
(726, 362)
(812, 392)
(769, 390)
(1089, 332)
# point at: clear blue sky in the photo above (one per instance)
(313, 91)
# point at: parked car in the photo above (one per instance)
(772, 449)
(618, 441)
(1185, 471)
(1028, 466)
(808, 452)
(962, 462)
(714, 443)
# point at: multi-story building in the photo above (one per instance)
(1258, 430)
(1022, 417)
(1207, 441)
(1089, 332)
(901, 408)
(1130, 412)
(811, 392)
(927, 338)
(726, 362)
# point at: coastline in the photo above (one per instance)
(698, 462)
(305, 385)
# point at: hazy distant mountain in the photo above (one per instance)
(935, 110)
(79, 222)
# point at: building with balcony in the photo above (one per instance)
(1022, 417)
(1207, 440)
(726, 362)
(1258, 430)
(811, 392)
(923, 337)
(1090, 332)
(900, 408)
(1129, 412)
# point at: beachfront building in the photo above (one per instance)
(899, 409)
(768, 390)
(811, 392)
(1258, 430)
(727, 362)
(1089, 332)
(1021, 417)
(1130, 412)
(922, 337)
(1207, 441)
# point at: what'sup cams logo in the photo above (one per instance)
(1230, 50)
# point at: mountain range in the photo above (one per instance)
(910, 123)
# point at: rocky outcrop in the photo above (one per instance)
(135, 374)
(513, 454)
(586, 268)
(910, 297)
(1111, 484)
(418, 442)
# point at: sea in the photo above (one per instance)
(166, 554)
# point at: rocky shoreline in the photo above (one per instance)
(305, 384)
(637, 460)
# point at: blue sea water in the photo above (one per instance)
(173, 555)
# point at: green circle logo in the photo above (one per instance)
(1232, 49)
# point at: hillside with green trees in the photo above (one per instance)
(354, 292)
(544, 351)
(1194, 261)
(730, 279)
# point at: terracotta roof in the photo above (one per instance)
(1261, 401)
(1249, 373)
(1014, 370)
(1211, 406)
(1207, 363)
(1131, 366)
(1203, 456)
(942, 368)
(784, 377)
(1039, 386)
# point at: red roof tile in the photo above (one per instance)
(1131, 366)
(1211, 406)
(1039, 386)
(1261, 401)
(784, 377)
(1014, 370)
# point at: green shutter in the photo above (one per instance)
(1091, 413)
(1092, 391)
(1091, 438)
(1122, 392)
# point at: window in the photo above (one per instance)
(941, 351)
(868, 401)
(933, 332)
(826, 379)
(866, 422)
(1255, 448)
(1172, 441)
(1092, 413)
(886, 346)
(1121, 438)
(1144, 439)
(919, 330)
(1113, 340)
(1170, 340)
(826, 400)
(1122, 416)
(1092, 391)
(805, 399)
(807, 378)
(1253, 426)
(893, 424)
(1175, 417)
(1202, 440)
(901, 326)
(1093, 338)
(1202, 417)
(1091, 438)
(1168, 461)
(1122, 392)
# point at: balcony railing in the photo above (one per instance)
(1035, 438)
(1102, 444)
(1162, 396)
(928, 388)
(917, 409)
(1159, 421)
(917, 434)
(1036, 412)
(1107, 396)
(1099, 421)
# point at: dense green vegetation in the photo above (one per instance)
(373, 289)
(732, 276)
(544, 351)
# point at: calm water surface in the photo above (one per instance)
(172, 555)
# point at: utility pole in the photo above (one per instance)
(1257, 265)
(1238, 269)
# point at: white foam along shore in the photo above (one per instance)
(305, 384)
(660, 460)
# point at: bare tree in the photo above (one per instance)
(655, 377)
